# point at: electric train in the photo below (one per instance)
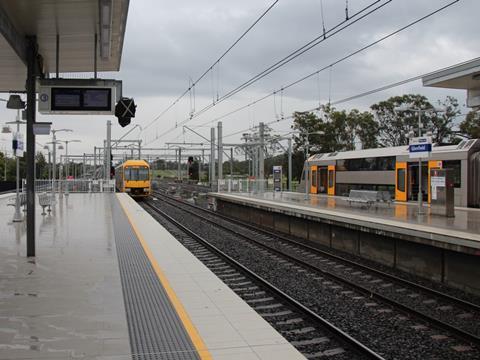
(392, 170)
(134, 177)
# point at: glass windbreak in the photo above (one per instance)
(136, 173)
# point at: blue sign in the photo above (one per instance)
(420, 148)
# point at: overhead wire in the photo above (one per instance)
(216, 62)
(336, 62)
(360, 95)
(363, 13)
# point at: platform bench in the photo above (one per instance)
(368, 197)
(45, 200)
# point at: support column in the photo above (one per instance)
(94, 163)
(84, 168)
(179, 168)
(261, 158)
(108, 150)
(212, 157)
(32, 52)
(289, 164)
(220, 150)
(200, 166)
(231, 163)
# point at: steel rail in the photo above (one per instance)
(469, 337)
(358, 346)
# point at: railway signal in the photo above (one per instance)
(125, 110)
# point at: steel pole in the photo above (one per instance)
(261, 158)
(54, 163)
(18, 216)
(109, 149)
(220, 150)
(94, 163)
(289, 164)
(67, 168)
(307, 196)
(231, 163)
(32, 52)
(420, 195)
(212, 157)
(179, 165)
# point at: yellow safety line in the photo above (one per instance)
(182, 313)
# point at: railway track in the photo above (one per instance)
(402, 298)
(311, 334)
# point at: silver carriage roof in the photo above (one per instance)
(463, 146)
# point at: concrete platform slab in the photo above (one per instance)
(65, 303)
(228, 326)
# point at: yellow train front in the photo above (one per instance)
(134, 177)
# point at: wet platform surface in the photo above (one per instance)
(464, 226)
(66, 303)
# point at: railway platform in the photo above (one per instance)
(109, 282)
(439, 248)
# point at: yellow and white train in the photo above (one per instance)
(134, 177)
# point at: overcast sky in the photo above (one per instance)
(167, 43)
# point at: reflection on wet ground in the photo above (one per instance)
(67, 302)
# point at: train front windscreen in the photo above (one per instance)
(136, 174)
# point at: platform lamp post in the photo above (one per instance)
(49, 162)
(67, 162)
(54, 155)
(410, 135)
(16, 103)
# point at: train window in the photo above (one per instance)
(136, 174)
(383, 163)
(456, 167)
(401, 180)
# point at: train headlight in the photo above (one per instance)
(146, 189)
(128, 190)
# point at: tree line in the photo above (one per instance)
(382, 126)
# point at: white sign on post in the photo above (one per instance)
(420, 147)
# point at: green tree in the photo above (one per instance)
(441, 123)
(42, 166)
(366, 128)
(342, 130)
(471, 125)
(393, 126)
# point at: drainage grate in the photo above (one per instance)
(155, 329)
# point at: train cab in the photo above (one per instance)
(134, 177)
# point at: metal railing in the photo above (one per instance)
(248, 185)
(73, 186)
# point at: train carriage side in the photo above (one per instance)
(391, 169)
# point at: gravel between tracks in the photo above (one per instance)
(380, 327)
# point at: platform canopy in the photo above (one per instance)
(462, 76)
(75, 22)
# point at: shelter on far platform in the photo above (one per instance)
(462, 76)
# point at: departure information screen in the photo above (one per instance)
(81, 99)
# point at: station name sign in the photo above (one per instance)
(420, 147)
(78, 96)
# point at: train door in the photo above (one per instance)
(313, 179)
(322, 175)
(331, 180)
(432, 164)
(401, 181)
(413, 181)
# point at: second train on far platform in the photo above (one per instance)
(134, 177)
